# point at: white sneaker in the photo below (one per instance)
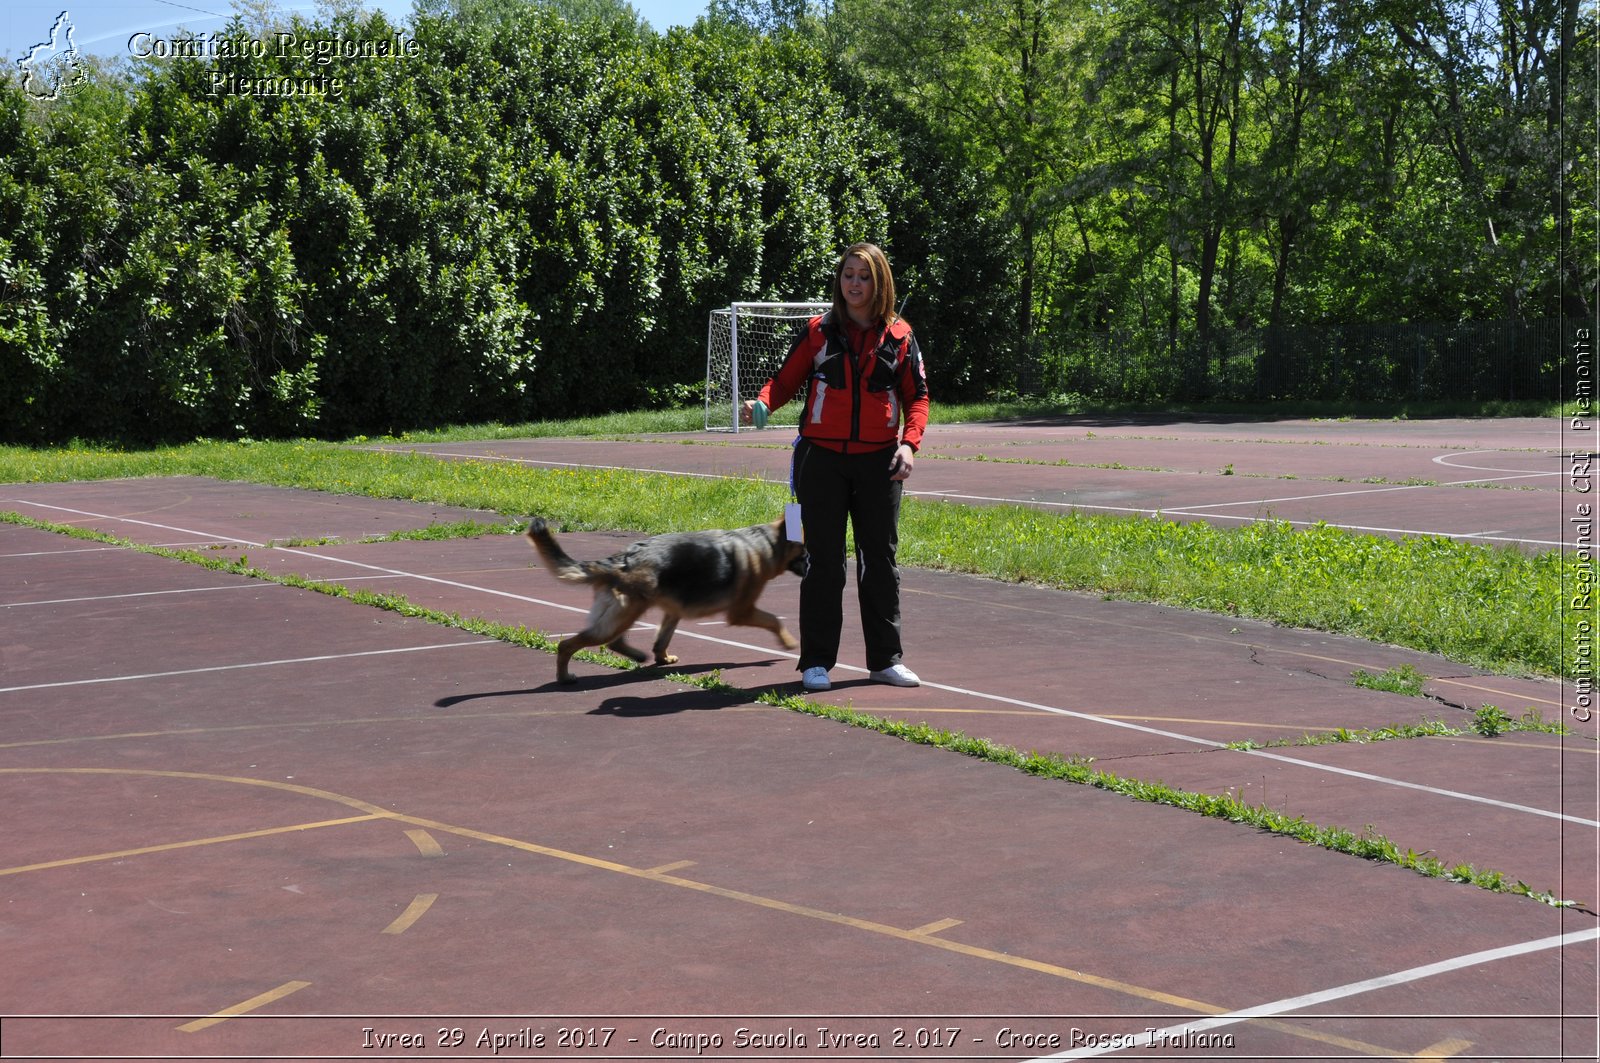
(896, 675)
(816, 679)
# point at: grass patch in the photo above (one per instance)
(1488, 721)
(1359, 735)
(439, 531)
(1402, 680)
(445, 530)
(1490, 607)
(1491, 720)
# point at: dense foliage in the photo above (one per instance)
(528, 218)
(1187, 176)
(530, 214)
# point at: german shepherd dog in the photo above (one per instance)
(686, 574)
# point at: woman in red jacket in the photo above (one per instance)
(866, 407)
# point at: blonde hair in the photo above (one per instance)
(882, 282)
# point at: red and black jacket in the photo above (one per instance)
(859, 384)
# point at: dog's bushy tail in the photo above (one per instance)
(556, 559)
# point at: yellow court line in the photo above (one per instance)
(244, 1007)
(829, 917)
(424, 843)
(203, 776)
(677, 865)
(452, 717)
(917, 936)
(936, 927)
(169, 846)
(772, 904)
(1103, 716)
(1491, 690)
(1589, 747)
(531, 713)
(1443, 1050)
(413, 912)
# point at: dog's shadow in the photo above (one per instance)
(633, 707)
(594, 682)
(691, 700)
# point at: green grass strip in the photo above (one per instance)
(1495, 608)
(437, 532)
(1357, 735)
(1367, 844)
(1488, 721)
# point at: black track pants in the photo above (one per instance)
(833, 488)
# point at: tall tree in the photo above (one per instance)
(1303, 174)
(996, 76)
(765, 16)
(1492, 77)
(1199, 55)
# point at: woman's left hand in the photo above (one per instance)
(904, 458)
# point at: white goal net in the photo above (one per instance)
(745, 345)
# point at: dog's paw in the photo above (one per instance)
(666, 658)
(788, 640)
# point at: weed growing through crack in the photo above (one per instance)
(1402, 680)
(1489, 721)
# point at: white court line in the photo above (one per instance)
(1175, 1034)
(341, 579)
(1127, 724)
(1441, 460)
(555, 464)
(141, 523)
(1359, 491)
(1197, 511)
(380, 569)
(114, 597)
(63, 553)
(1209, 743)
(247, 664)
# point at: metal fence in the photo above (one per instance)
(1471, 360)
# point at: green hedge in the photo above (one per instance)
(525, 220)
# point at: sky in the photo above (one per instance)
(103, 27)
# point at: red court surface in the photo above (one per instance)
(250, 821)
(1492, 481)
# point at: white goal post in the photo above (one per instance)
(745, 345)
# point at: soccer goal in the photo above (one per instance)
(745, 345)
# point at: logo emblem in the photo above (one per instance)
(53, 68)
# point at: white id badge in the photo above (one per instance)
(791, 523)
